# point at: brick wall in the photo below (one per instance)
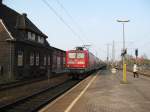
(5, 47)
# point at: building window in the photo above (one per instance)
(31, 36)
(40, 39)
(44, 61)
(49, 60)
(20, 58)
(54, 61)
(58, 62)
(32, 59)
(37, 59)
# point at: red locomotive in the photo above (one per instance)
(81, 61)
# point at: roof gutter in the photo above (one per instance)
(9, 33)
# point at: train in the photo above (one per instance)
(80, 62)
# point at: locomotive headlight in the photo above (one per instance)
(70, 62)
(81, 62)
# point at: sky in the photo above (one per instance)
(92, 22)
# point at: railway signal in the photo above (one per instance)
(124, 52)
(136, 52)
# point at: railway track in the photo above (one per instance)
(38, 99)
(23, 82)
(19, 83)
(140, 73)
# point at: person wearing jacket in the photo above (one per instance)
(135, 71)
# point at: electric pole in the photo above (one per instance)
(113, 52)
(124, 49)
(108, 53)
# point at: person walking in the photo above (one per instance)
(135, 71)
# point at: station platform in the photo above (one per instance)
(104, 92)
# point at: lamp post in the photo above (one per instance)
(123, 56)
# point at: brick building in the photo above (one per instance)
(24, 50)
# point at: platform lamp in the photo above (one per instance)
(124, 50)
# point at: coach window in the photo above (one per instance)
(49, 60)
(37, 59)
(20, 58)
(32, 59)
(44, 61)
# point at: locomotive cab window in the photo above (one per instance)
(80, 55)
(72, 55)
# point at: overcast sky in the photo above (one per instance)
(94, 21)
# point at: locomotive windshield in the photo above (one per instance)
(80, 55)
(76, 55)
(72, 55)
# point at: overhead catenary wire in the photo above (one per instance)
(71, 17)
(68, 14)
(63, 21)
